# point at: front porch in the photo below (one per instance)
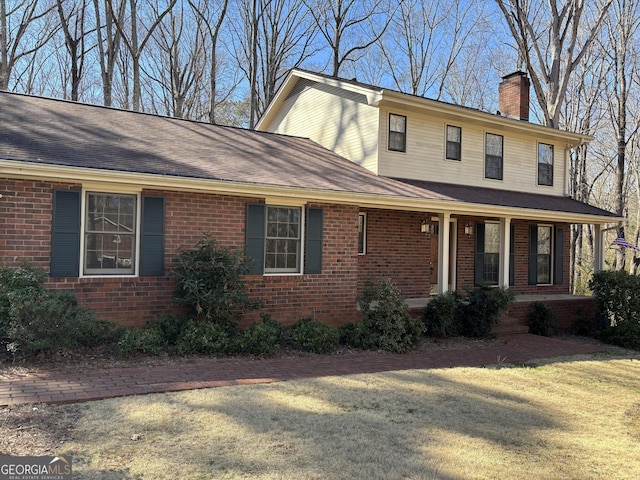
(515, 319)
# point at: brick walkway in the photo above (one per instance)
(118, 382)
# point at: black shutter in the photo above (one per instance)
(512, 257)
(255, 237)
(313, 250)
(479, 255)
(65, 234)
(533, 255)
(152, 237)
(558, 271)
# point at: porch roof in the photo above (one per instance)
(507, 199)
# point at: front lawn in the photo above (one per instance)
(573, 419)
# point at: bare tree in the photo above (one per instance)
(72, 21)
(108, 42)
(134, 45)
(275, 36)
(584, 112)
(552, 40)
(622, 27)
(349, 27)
(178, 64)
(425, 41)
(19, 21)
(212, 14)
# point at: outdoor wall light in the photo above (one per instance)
(468, 229)
(426, 227)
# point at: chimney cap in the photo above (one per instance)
(517, 73)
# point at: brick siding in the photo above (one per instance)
(395, 250)
(25, 236)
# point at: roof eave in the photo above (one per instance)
(119, 179)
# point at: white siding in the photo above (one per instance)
(424, 158)
(339, 120)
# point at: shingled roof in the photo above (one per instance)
(504, 198)
(45, 131)
(56, 132)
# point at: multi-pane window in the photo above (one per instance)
(491, 253)
(493, 153)
(545, 164)
(362, 233)
(454, 143)
(544, 255)
(109, 234)
(397, 132)
(282, 242)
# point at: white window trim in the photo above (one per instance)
(553, 165)
(446, 141)
(100, 189)
(303, 219)
(484, 157)
(406, 133)
(364, 233)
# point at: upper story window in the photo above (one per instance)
(545, 164)
(397, 132)
(110, 234)
(493, 153)
(454, 143)
(362, 233)
(282, 241)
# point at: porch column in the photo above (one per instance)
(443, 256)
(598, 253)
(505, 251)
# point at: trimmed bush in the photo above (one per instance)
(587, 325)
(157, 338)
(440, 316)
(386, 317)
(542, 320)
(617, 294)
(141, 340)
(356, 335)
(210, 283)
(263, 337)
(207, 338)
(480, 310)
(313, 336)
(34, 319)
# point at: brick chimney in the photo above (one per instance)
(513, 96)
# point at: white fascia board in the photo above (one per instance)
(116, 180)
(373, 96)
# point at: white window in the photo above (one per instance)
(282, 242)
(545, 164)
(493, 162)
(454, 143)
(397, 132)
(110, 234)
